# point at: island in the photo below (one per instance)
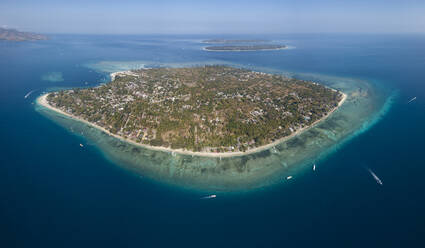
(15, 35)
(206, 111)
(245, 48)
(221, 41)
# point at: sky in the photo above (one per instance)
(214, 17)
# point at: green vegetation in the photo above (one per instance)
(211, 108)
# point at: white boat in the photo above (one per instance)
(28, 94)
(288, 177)
(314, 167)
(209, 197)
(81, 145)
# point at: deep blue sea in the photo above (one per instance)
(55, 194)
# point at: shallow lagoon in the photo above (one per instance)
(365, 104)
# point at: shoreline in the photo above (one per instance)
(42, 100)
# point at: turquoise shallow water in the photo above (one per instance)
(55, 194)
(364, 105)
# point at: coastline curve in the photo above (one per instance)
(249, 171)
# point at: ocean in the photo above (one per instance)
(55, 194)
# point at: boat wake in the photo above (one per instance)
(377, 179)
(411, 100)
(209, 197)
(28, 94)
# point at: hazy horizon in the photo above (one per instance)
(214, 17)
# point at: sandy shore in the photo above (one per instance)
(42, 100)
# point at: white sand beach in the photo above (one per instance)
(42, 100)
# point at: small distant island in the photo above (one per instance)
(15, 35)
(221, 41)
(206, 111)
(245, 48)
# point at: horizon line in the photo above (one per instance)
(236, 34)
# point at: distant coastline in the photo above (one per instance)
(223, 41)
(244, 48)
(15, 35)
(42, 100)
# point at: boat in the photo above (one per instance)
(288, 177)
(28, 94)
(209, 197)
(81, 145)
(377, 179)
(314, 167)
